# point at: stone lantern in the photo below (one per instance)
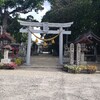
(6, 52)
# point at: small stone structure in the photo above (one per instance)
(78, 54)
(71, 53)
(66, 58)
(6, 39)
(6, 51)
(83, 58)
(65, 50)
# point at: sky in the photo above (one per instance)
(38, 16)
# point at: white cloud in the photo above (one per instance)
(38, 16)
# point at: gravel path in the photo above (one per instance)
(32, 84)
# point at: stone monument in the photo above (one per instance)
(78, 54)
(83, 58)
(71, 53)
(65, 50)
(66, 58)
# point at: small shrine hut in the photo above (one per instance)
(90, 46)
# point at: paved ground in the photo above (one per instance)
(45, 82)
(48, 84)
(44, 61)
(49, 61)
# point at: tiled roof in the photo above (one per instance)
(87, 38)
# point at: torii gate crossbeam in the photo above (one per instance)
(46, 27)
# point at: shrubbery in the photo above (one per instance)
(18, 61)
(80, 68)
(10, 65)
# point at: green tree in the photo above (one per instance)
(84, 13)
(10, 8)
(14, 27)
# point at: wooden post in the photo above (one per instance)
(28, 47)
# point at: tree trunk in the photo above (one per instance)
(5, 19)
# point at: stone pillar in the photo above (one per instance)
(61, 47)
(82, 57)
(65, 50)
(78, 54)
(28, 48)
(71, 53)
(83, 62)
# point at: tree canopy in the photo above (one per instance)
(84, 13)
(9, 13)
(13, 7)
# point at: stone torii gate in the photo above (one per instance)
(46, 26)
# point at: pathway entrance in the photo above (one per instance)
(45, 61)
(60, 30)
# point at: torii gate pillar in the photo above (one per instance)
(61, 47)
(28, 47)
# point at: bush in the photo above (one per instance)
(18, 61)
(91, 69)
(80, 69)
(10, 65)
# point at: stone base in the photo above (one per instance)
(5, 60)
(83, 63)
(66, 60)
